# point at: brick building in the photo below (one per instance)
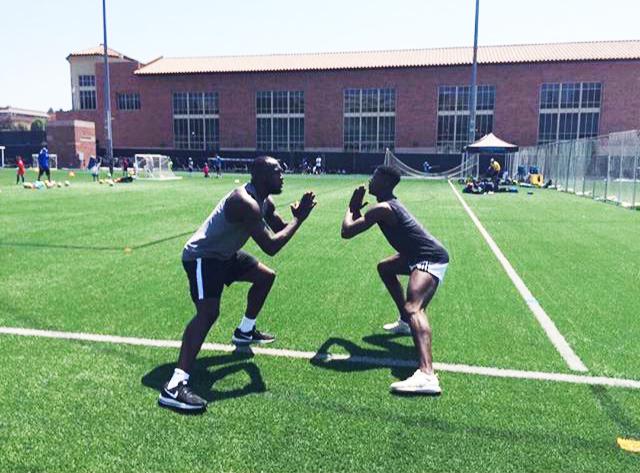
(355, 104)
(12, 118)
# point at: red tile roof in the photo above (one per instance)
(99, 51)
(526, 53)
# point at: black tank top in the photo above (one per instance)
(410, 239)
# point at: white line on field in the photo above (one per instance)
(545, 321)
(327, 357)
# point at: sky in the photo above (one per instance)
(36, 36)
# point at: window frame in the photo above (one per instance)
(359, 107)
(454, 107)
(205, 119)
(280, 120)
(562, 111)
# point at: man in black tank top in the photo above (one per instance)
(419, 255)
(246, 212)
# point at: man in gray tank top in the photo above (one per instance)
(419, 255)
(212, 258)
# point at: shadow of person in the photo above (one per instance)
(396, 356)
(203, 379)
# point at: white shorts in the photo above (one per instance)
(435, 269)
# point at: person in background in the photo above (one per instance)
(217, 163)
(494, 172)
(125, 166)
(426, 167)
(19, 170)
(205, 169)
(43, 162)
(94, 167)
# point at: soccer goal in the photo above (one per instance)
(468, 167)
(154, 166)
(53, 161)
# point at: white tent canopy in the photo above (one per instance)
(491, 144)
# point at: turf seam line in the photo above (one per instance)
(328, 358)
(569, 356)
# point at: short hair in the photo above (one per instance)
(261, 165)
(392, 174)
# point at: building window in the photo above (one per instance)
(453, 115)
(195, 120)
(280, 120)
(128, 101)
(87, 81)
(87, 100)
(569, 111)
(369, 119)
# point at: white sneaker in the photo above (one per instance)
(419, 383)
(399, 326)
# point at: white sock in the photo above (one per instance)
(247, 324)
(177, 378)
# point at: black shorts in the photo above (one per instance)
(208, 276)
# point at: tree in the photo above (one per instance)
(38, 125)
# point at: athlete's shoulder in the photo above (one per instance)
(380, 212)
(241, 205)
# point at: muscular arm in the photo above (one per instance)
(247, 212)
(269, 242)
(355, 223)
(273, 218)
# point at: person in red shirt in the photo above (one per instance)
(205, 169)
(20, 170)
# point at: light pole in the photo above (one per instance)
(107, 87)
(474, 80)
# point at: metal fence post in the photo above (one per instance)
(606, 181)
(635, 180)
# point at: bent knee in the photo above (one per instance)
(267, 276)
(412, 310)
(384, 269)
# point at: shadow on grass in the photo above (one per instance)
(390, 350)
(53, 246)
(614, 412)
(203, 378)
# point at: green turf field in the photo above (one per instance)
(89, 406)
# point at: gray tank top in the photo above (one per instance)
(217, 237)
(411, 239)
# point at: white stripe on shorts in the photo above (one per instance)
(199, 278)
(435, 269)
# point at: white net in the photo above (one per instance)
(153, 166)
(53, 161)
(468, 167)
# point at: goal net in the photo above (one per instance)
(153, 166)
(467, 167)
(53, 161)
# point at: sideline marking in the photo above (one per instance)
(327, 357)
(544, 320)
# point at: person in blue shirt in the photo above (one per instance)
(43, 162)
(217, 162)
(426, 167)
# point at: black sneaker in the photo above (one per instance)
(251, 337)
(182, 398)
